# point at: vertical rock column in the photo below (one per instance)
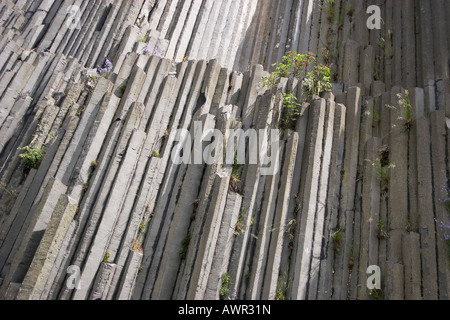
(48, 248)
(332, 209)
(370, 215)
(425, 211)
(398, 177)
(348, 187)
(317, 246)
(440, 182)
(303, 241)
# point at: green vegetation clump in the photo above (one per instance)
(32, 156)
(155, 154)
(316, 81)
(337, 239)
(106, 257)
(225, 286)
(185, 246)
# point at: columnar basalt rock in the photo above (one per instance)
(361, 179)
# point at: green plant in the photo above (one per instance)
(337, 239)
(236, 173)
(340, 21)
(296, 65)
(376, 294)
(293, 65)
(142, 226)
(155, 154)
(291, 111)
(94, 165)
(445, 197)
(381, 169)
(81, 111)
(142, 37)
(32, 156)
(240, 224)
(331, 10)
(92, 78)
(106, 257)
(282, 287)
(404, 110)
(376, 116)
(184, 246)
(382, 230)
(85, 186)
(327, 56)
(122, 88)
(224, 290)
(92, 168)
(318, 80)
(389, 52)
(290, 228)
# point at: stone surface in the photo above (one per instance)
(111, 141)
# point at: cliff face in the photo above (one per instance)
(99, 91)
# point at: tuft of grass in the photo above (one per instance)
(282, 288)
(184, 246)
(94, 165)
(337, 239)
(106, 257)
(155, 154)
(142, 37)
(381, 169)
(331, 10)
(142, 226)
(376, 294)
(225, 285)
(240, 224)
(236, 173)
(382, 230)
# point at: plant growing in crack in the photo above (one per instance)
(105, 69)
(224, 290)
(445, 198)
(282, 288)
(184, 246)
(32, 156)
(155, 154)
(382, 229)
(240, 227)
(293, 65)
(382, 169)
(404, 110)
(142, 36)
(314, 82)
(106, 257)
(291, 111)
(331, 10)
(317, 81)
(337, 239)
(376, 294)
(350, 10)
(236, 174)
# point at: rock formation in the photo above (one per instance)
(99, 89)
